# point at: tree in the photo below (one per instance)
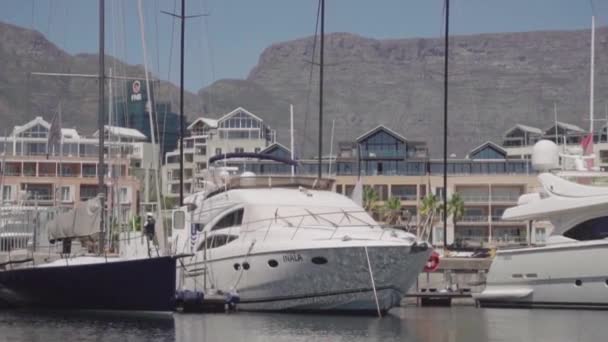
(456, 208)
(370, 197)
(392, 210)
(430, 211)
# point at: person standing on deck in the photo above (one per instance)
(149, 231)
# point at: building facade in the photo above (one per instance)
(236, 131)
(66, 171)
(132, 112)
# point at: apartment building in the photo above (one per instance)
(486, 179)
(34, 173)
(236, 131)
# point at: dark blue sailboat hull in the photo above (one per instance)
(136, 285)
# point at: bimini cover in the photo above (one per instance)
(83, 220)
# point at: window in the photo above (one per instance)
(215, 241)
(382, 191)
(231, 219)
(404, 192)
(6, 193)
(123, 195)
(239, 150)
(65, 194)
(594, 229)
(257, 150)
(439, 193)
(540, 235)
(179, 219)
(218, 151)
(348, 190)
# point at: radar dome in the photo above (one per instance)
(545, 156)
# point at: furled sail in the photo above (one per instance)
(357, 195)
(83, 220)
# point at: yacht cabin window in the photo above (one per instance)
(594, 229)
(232, 219)
(217, 240)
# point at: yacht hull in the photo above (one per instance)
(569, 275)
(135, 285)
(320, 279)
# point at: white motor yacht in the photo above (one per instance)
(568, 272)
(290, 244)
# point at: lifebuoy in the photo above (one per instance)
(433, 263)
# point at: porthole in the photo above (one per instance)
(319, 260)
(578, 282)
(245, 265)
(273, 263)
(236, 266)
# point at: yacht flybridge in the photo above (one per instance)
(291, 244)
(568, 271)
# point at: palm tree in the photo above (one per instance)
(370, 197)
(430, 210)
(392, 210)
(456, 209)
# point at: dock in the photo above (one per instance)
(456, 279)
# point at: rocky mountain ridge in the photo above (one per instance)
(496, 80)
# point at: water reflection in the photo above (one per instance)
(63, 326)
(404, 324)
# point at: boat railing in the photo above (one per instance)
(330, 222)
(257, 182)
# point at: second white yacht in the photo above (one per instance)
(568, 272)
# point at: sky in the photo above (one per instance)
(227, 42)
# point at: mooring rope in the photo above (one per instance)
(371, 275)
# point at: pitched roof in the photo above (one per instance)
(69, 133)
(525, 128)
(237, 110)
(567, 126)
(381, 128)
(209, 122)
(122, 132)
(273, 145)
(36, 121)
(488, 144)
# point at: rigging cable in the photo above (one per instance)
(305, 137)
(151, 111)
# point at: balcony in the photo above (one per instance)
(499, 219)
(475, 198)
(510, 241)
(470, 240)
(474, 218)
(10, 172)
(383, 154)
(505, 198)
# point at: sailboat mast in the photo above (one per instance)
(320, 170)
(592, 80)
(445, 126)
(181, 106)
(100, 121)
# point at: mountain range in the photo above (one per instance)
(495, 81)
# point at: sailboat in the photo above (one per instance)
(98, 282)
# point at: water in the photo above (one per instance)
(405, 324)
